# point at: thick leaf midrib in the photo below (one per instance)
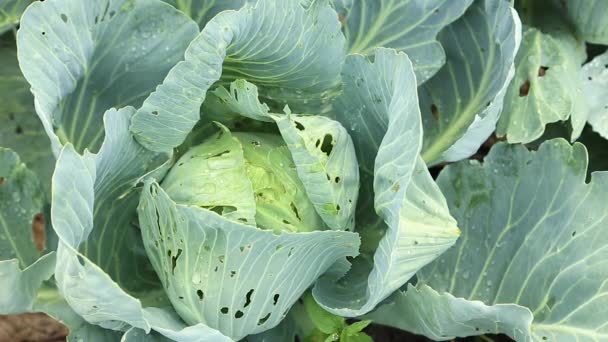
(363, 46)
(88, 71)
(185, 6)
(448, 137)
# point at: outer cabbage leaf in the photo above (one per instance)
(106, 180)
(31, 297)
(10, 12)
(21, 206)
(21, 129)
(410, 26)
(83, 57)
(21, 286)
(462, 103)
(88, 332)
(138, 335)
(201, 11)
(22, 238)
(50, 302)
(596, 145)
(292, 52)
(441, 316)
(93, 206)
(595, 91)
(380, 107)
(545, 89)
(547, 86)
(546, 16)
(588, 17)
(230, 276)
(22, 269)
(532, 262)
(598, 150)
(321, 148)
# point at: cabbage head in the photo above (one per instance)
(246, 177)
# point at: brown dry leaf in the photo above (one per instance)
(39, 232)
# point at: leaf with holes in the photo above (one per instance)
(93, 208)
(546, 88)
(21, 208)
(324, 156)
(214, 160)
(380, 106)
(229, 275)
(25, 261)
(532, 261)
(321, 149)
(23, 267)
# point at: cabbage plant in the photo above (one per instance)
(266, 170)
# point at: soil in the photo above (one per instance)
(31, 328)
(42, 328)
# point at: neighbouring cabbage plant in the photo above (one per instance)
(204, 170)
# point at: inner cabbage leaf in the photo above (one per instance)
(380, 108)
